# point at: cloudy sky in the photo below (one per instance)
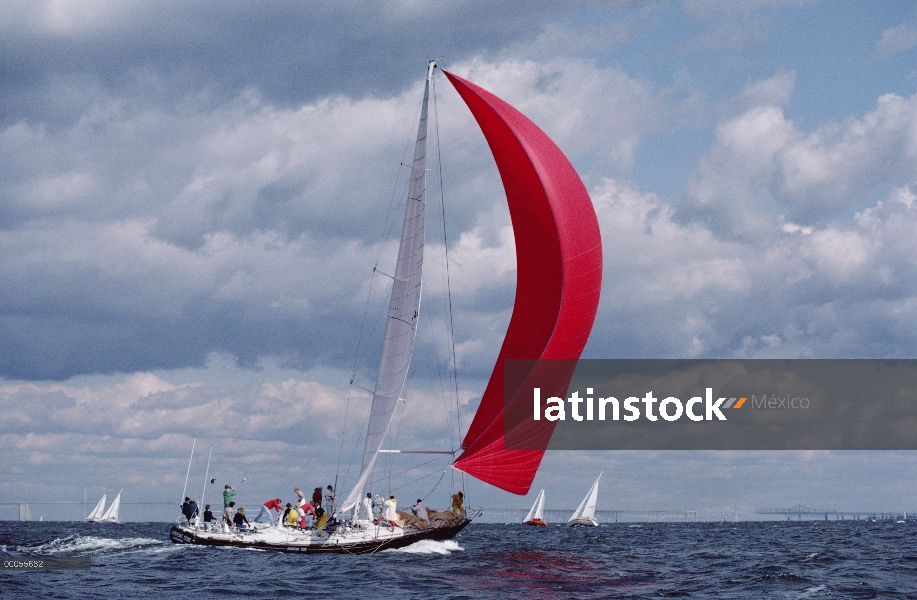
(194, 196)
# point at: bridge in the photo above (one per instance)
(798, 512)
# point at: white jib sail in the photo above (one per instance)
(537, 511)
(97, 512)
(404, 308)
(586, 509)
(112, 513)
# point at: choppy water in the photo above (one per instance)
(846, 559)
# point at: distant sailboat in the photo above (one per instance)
(536, 514)
(111, 515)
(585, 513)
(98, 511)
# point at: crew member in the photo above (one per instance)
(420, 511)
(240, 521)
(368, 506)
(457, 499)
(391, 511)
(208, 518)
(228, 494)
(272, 504)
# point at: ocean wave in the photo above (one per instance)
(430, 547)
(89, 544)
(812, 590)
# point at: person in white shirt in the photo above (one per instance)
(391, 511)
(329, 501)
(368, 506)
(421, 512)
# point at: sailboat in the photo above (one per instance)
(536, 514)
(111, 515)
(584, 515)
(98, 511)
(559, 276)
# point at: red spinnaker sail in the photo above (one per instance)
(559, 278)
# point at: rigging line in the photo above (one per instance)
(337, 470)
(430, 474)
(407, 470)
(444, 395)
(440, 480)
(442, 203)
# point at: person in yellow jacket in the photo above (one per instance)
(291, 516)
(457, 499)
(322, 518)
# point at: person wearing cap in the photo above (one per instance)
(420, 511)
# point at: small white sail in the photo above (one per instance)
(585, 512)
(111, 515)
(98, 511)
(537, 511)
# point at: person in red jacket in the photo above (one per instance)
(305, 508)
(272, 504)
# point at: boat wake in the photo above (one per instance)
(88, 544)
(430, 547)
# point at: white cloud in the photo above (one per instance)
(895, 40)
(760, 160)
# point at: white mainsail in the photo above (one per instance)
(537, 511)
(111, 514)
(404, 308)
(98, 511)
(586, 510)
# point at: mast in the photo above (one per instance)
(404, 308)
